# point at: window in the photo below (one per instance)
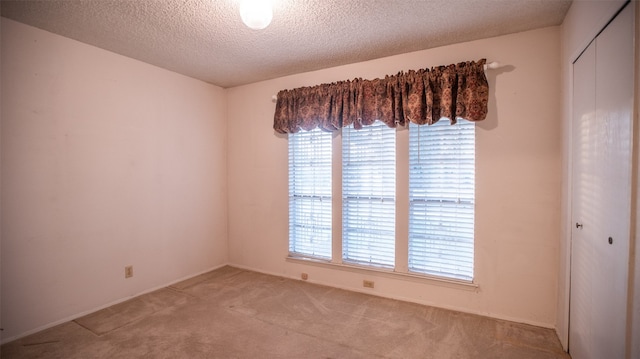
(310, 194)
(368, 195)
(437, 178)
(441, 199)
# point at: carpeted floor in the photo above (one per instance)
(234, 313)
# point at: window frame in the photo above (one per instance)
(400, 270)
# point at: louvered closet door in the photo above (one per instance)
(601, 192)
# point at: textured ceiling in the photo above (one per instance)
(207, 40)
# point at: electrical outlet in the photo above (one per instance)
(367, 283)
(304, 276)
(128, 271)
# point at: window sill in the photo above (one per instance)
(388, 273)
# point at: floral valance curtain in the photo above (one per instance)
(422, 97)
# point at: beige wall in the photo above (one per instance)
(517, 181)
(106, 162)
(582, 23)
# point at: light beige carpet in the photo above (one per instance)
(234, 313)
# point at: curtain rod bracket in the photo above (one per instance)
(493, 65)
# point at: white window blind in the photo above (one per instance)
(441, 199)
(310, 194)
(368, 195)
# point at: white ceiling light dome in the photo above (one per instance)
(256, 14)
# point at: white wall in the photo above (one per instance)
(517, 180)
(106, 162)
(582, 23)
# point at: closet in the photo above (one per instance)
(602, 168)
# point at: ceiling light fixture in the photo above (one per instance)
(256, 14)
